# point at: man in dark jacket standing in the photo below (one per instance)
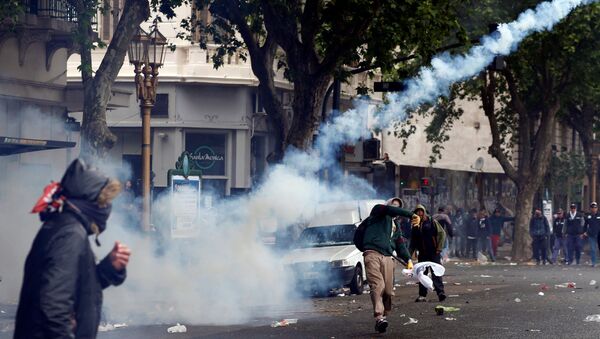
(558, 228)
(61, 295)
(539, 230)
(381, 239)
(574, 231)
(592, 230)
(484, 233)
(428, 239)
(472, 226)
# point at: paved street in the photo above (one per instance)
(485, 295)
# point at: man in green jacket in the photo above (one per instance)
(381, 239)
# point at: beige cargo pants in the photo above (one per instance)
(380, 276)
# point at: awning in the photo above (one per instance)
(10, 145)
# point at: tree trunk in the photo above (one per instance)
(521, 249)
(96, 138)
(309, 93)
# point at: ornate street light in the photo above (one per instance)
(146, 53)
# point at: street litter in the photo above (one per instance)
(419, 269)
(120, 325)
(513, 264)
(487, 289)
(534, 330)
(485, 276)
(535, 284)
(411, 321)
(517, 300)
(341, 295)
(2, 311)
(592, 283)
(457, 284)
(440, 310)
(541, 294)
(450, 319)
(284, 322)
(481, 258)
(453, 296)
(593, 318)
(571, 285)
(545, 287)
(105, 328)
(177, 329)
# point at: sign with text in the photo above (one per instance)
(185, 200)
(207, 152)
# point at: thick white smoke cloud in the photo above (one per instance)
(435, 80)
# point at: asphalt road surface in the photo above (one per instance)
(495, 301)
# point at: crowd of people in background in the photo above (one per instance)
(560, 240)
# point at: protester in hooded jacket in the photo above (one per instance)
(382, 237)
(444, 220)
(427, 239)
(61, 295)
(592, 230)
(459, 227)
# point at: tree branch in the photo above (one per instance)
(488, 99)
(524, 120)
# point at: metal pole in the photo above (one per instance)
(146, 109)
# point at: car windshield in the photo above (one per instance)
(335, 235)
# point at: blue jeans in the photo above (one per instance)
(485, 244)
(593, 244)
(559, 245)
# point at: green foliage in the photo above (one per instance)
(10, 11)
(566, 169)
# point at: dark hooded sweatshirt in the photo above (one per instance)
(427, 238)
(61, 295)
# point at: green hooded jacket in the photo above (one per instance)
(378, 235)
(428, 237)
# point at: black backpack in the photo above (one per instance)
(359, 234)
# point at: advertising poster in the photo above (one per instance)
(186, 202)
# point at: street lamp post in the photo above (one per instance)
(146, 53)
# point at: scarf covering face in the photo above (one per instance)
(78, 191)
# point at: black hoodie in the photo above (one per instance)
(61, 295)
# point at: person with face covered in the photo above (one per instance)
(428, 238)
(61, 294)
(382, 237)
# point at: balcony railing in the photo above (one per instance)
(54, 9)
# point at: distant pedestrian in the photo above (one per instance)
(484, 233)
(574, 233)
(427, 239)
(459, 243)
(592, 230)
(497, 224)
(472, 227)
(61, 295)
(539, 230)
(442, 217)
(381, 239)
(558, 230)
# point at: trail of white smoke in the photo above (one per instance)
(445, 70)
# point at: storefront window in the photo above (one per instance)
(208, 152)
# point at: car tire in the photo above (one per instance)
(357, 283)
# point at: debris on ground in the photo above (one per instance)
(177, 329)
(457, 284)
(450, 319)
(534, 330)
(571, 284)
(110, 327)
(440, 310)
(411, 321)
(593, 318)
(485, 276)
(453, 296)
(541, 294)
(592, 282)
(534, 284)
(517, 300)
(481, 258)
(284, 322)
